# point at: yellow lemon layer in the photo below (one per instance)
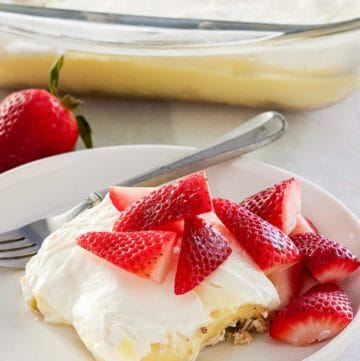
(231, 80)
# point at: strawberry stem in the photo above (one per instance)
(84, 131)
(54, 75)
(70, 103)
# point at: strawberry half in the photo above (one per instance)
(123, 197)
(270, 248)
(319, 314)
(279, 205)
(303, 225)
(203, 250)
(288, 282)
(184, 198)
(146, 254)
(327, 260)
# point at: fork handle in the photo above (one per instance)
(255, 133)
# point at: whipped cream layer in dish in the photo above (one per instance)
(120, 316)
(270, 11)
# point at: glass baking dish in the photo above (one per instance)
(252, 64)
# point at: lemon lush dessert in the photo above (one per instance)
(160, 273)
(304, 74)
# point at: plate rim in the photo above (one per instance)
(344, 338)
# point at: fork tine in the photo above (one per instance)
(13, 249)
(15, 262)
(10, 258)
(15, 244)
(21, 252)
(11, 240)
(12, 236)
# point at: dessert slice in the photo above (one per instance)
(85, 276)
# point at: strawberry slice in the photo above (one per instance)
(288, 282)
(327, 260)
(184, 198)
(203, 250)
(123, 197)
(319, 314)
(270, 248)
(303, 225)
(279, 205)
(146, 254)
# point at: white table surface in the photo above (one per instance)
(322, 146)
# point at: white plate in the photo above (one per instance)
(55, 183)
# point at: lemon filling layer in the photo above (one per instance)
(223, 79)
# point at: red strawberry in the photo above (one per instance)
(319, 314)
(279, 205)
(35, 123)
(270, 248)
(288, 282)
(146, 254)
(327, 260)
(303, 225)
(203, 250)
(123, 197)
(183, 198)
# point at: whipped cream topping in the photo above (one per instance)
(109, 306)
(272, 11)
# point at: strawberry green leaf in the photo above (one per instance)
(85, 131)
(70, 102)
(54, 75)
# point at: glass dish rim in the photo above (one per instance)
(282, 31)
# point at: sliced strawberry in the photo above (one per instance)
(303, 225)
(146, 254)
(183, 198)
(327, 260)
(279, 205)
(203, 250)
(270, 248)
(319, 314)
(122, 197)
(288, 282)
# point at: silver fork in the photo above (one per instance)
(19, 245)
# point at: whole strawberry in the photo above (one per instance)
(35, 123)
